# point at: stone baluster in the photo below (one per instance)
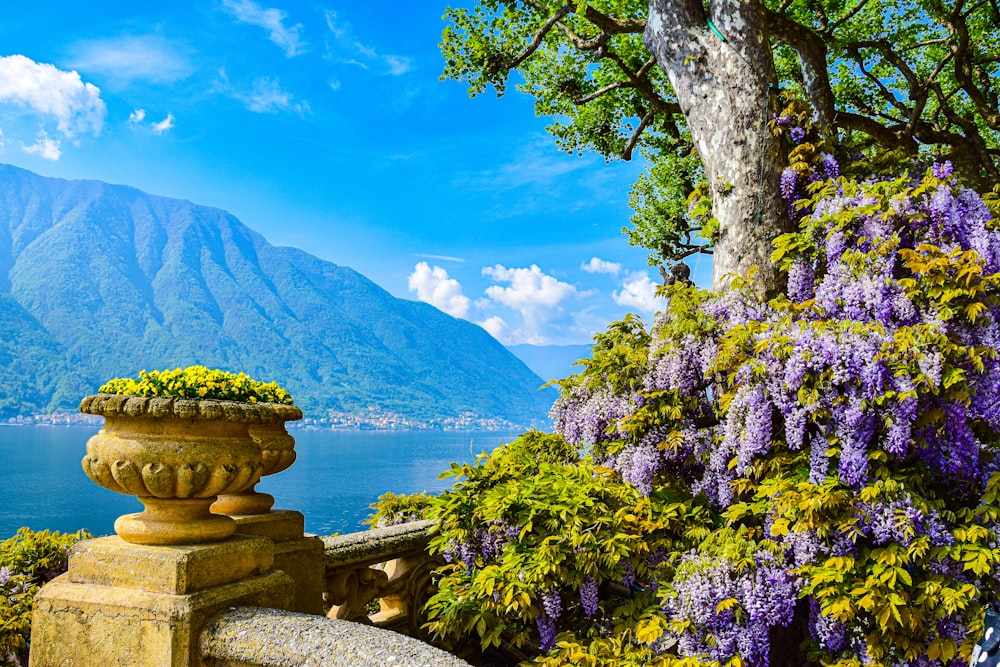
(388, 564)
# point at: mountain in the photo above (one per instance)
(551, 362)
(100, 280)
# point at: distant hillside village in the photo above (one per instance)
(379, 420)
(374, 419)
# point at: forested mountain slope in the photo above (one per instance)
(100, 280)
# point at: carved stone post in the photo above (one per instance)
(143, 600)
(295, 553)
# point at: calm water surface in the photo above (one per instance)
(336, 476)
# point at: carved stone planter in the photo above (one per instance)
(277, 453)
(176, 455)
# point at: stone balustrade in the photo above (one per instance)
(183, 587)
(255, 637)
(388, 564)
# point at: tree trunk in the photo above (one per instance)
(724, 90)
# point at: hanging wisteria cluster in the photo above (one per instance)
(855, 417)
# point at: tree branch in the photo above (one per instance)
(846, 17)
(590, 97)
(811, 50)
(634, 139)
(613, 25)
(538, 38)
(963, 69)
(854, 49)
(880, 133)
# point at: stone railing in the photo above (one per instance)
(388, 564)
(255, 637)
(182, 585)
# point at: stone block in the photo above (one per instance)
(90, 624)
(303, 561)
(276, 525)
(298, 555)
(174, 570)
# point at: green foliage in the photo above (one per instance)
(199, 382)
(667, 220)
(395, 508)
(27, 561)
(535, 519)
(586, 94)
(916, 76)
(39, 555)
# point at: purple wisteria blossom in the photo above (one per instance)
(589, 597)
(707, 593)
(551, 603)
(942, 170)
(546, 631)
(801, 280)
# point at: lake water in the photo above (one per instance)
(336, 476)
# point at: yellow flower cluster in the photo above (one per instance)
(199, 382)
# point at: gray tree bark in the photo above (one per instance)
(725, 91)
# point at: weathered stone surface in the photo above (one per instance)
(176, 458)
(276, 525)
(302, 560)
(107, 405)
(247, 637)
(86, 624)
(277, 453)
(172, 570)
(369, 545)
(297, 554)
(390, 564)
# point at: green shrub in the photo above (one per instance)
(199, 382)
(395, 508)
(540, 538)
(27, 561)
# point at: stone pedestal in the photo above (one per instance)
(145, 606)
(295, 553)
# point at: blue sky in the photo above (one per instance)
(325, 126)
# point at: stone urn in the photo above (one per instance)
(177, 456)
(277, 453)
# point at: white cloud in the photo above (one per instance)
(44, 147)
(638, 291)
(164, 125)
(398, 65)
(433, 286)
(534, 294)
(495, 326)
(443, 258)
(124, 59)
(351, 51)
(598, 265)
(528, 287)
(137, 116)
(288, 38)
(266, 96)
(537, 171)
(338, 30)
(50, 92)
